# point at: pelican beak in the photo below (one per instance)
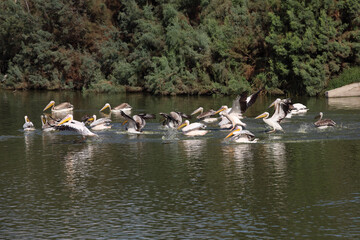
(220, 110)
(104, 107)
(90, 120)
(181, 126)
(124, 122)
(50, 104)
(43, 119)
(232, 133)
(66, 119)
(261, 116)
(273, 104)
(196, 111)
(27, 119)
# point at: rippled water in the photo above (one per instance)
(301, 184)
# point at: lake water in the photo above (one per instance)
(301, 184)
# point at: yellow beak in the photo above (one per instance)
(104, 107)
(181, 126)
(261, 116)
(64, 121)
(232, 133)
(124, 122)
(49, 105)
(220, 110)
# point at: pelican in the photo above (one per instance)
(48, 126)
(136, 123)
(68, 123)
(28, 125)
(62, 107)
(193, 129)
(99, 124)
(173, 119)
(289, 111)
(125, 107)
(299, 108)
(323, 123)
(234, 121)
(241, 136)
(239, 106)
(205, 116)
(281, 110)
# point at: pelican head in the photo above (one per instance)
(50, 104)
(263, 115)
(186, 123)
(107, 105)
(68, 118)
(27, 120)
(43, 120)
(222, 108)
(91, 119)
(275, 102)
(237, 129)
(319, 117)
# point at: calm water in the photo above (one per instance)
(301, 184)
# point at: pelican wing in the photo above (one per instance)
(147, 115)
(325, 122)
(236, 106)
(100, 121)
(282, 108)
(127, 117)
(207, 114)
(176, 117)
(140, 122)
(122, 106)
(64, 105)
(184, 115)
(194, 126)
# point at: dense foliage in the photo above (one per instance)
(177, 46)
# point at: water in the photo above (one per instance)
(301, 184)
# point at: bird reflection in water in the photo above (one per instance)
(194, 151)
(238, 157)
(77, 163)
(193, 148)
(276, 165)
(29, 137)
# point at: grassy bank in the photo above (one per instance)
(348, 76)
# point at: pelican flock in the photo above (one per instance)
(230, 119)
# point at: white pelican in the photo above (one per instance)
(193, 129)
(68, 123)
(28, 125)
(299, 108)
(281, 110)
(289, 112)
(173, 119)
(234, 121)
(48, 126)
(205, 116)
(62, 107)
(136, 123)
(99, 124)
(239, 106)
(125, 107)
(241, 136)
(323, 123)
